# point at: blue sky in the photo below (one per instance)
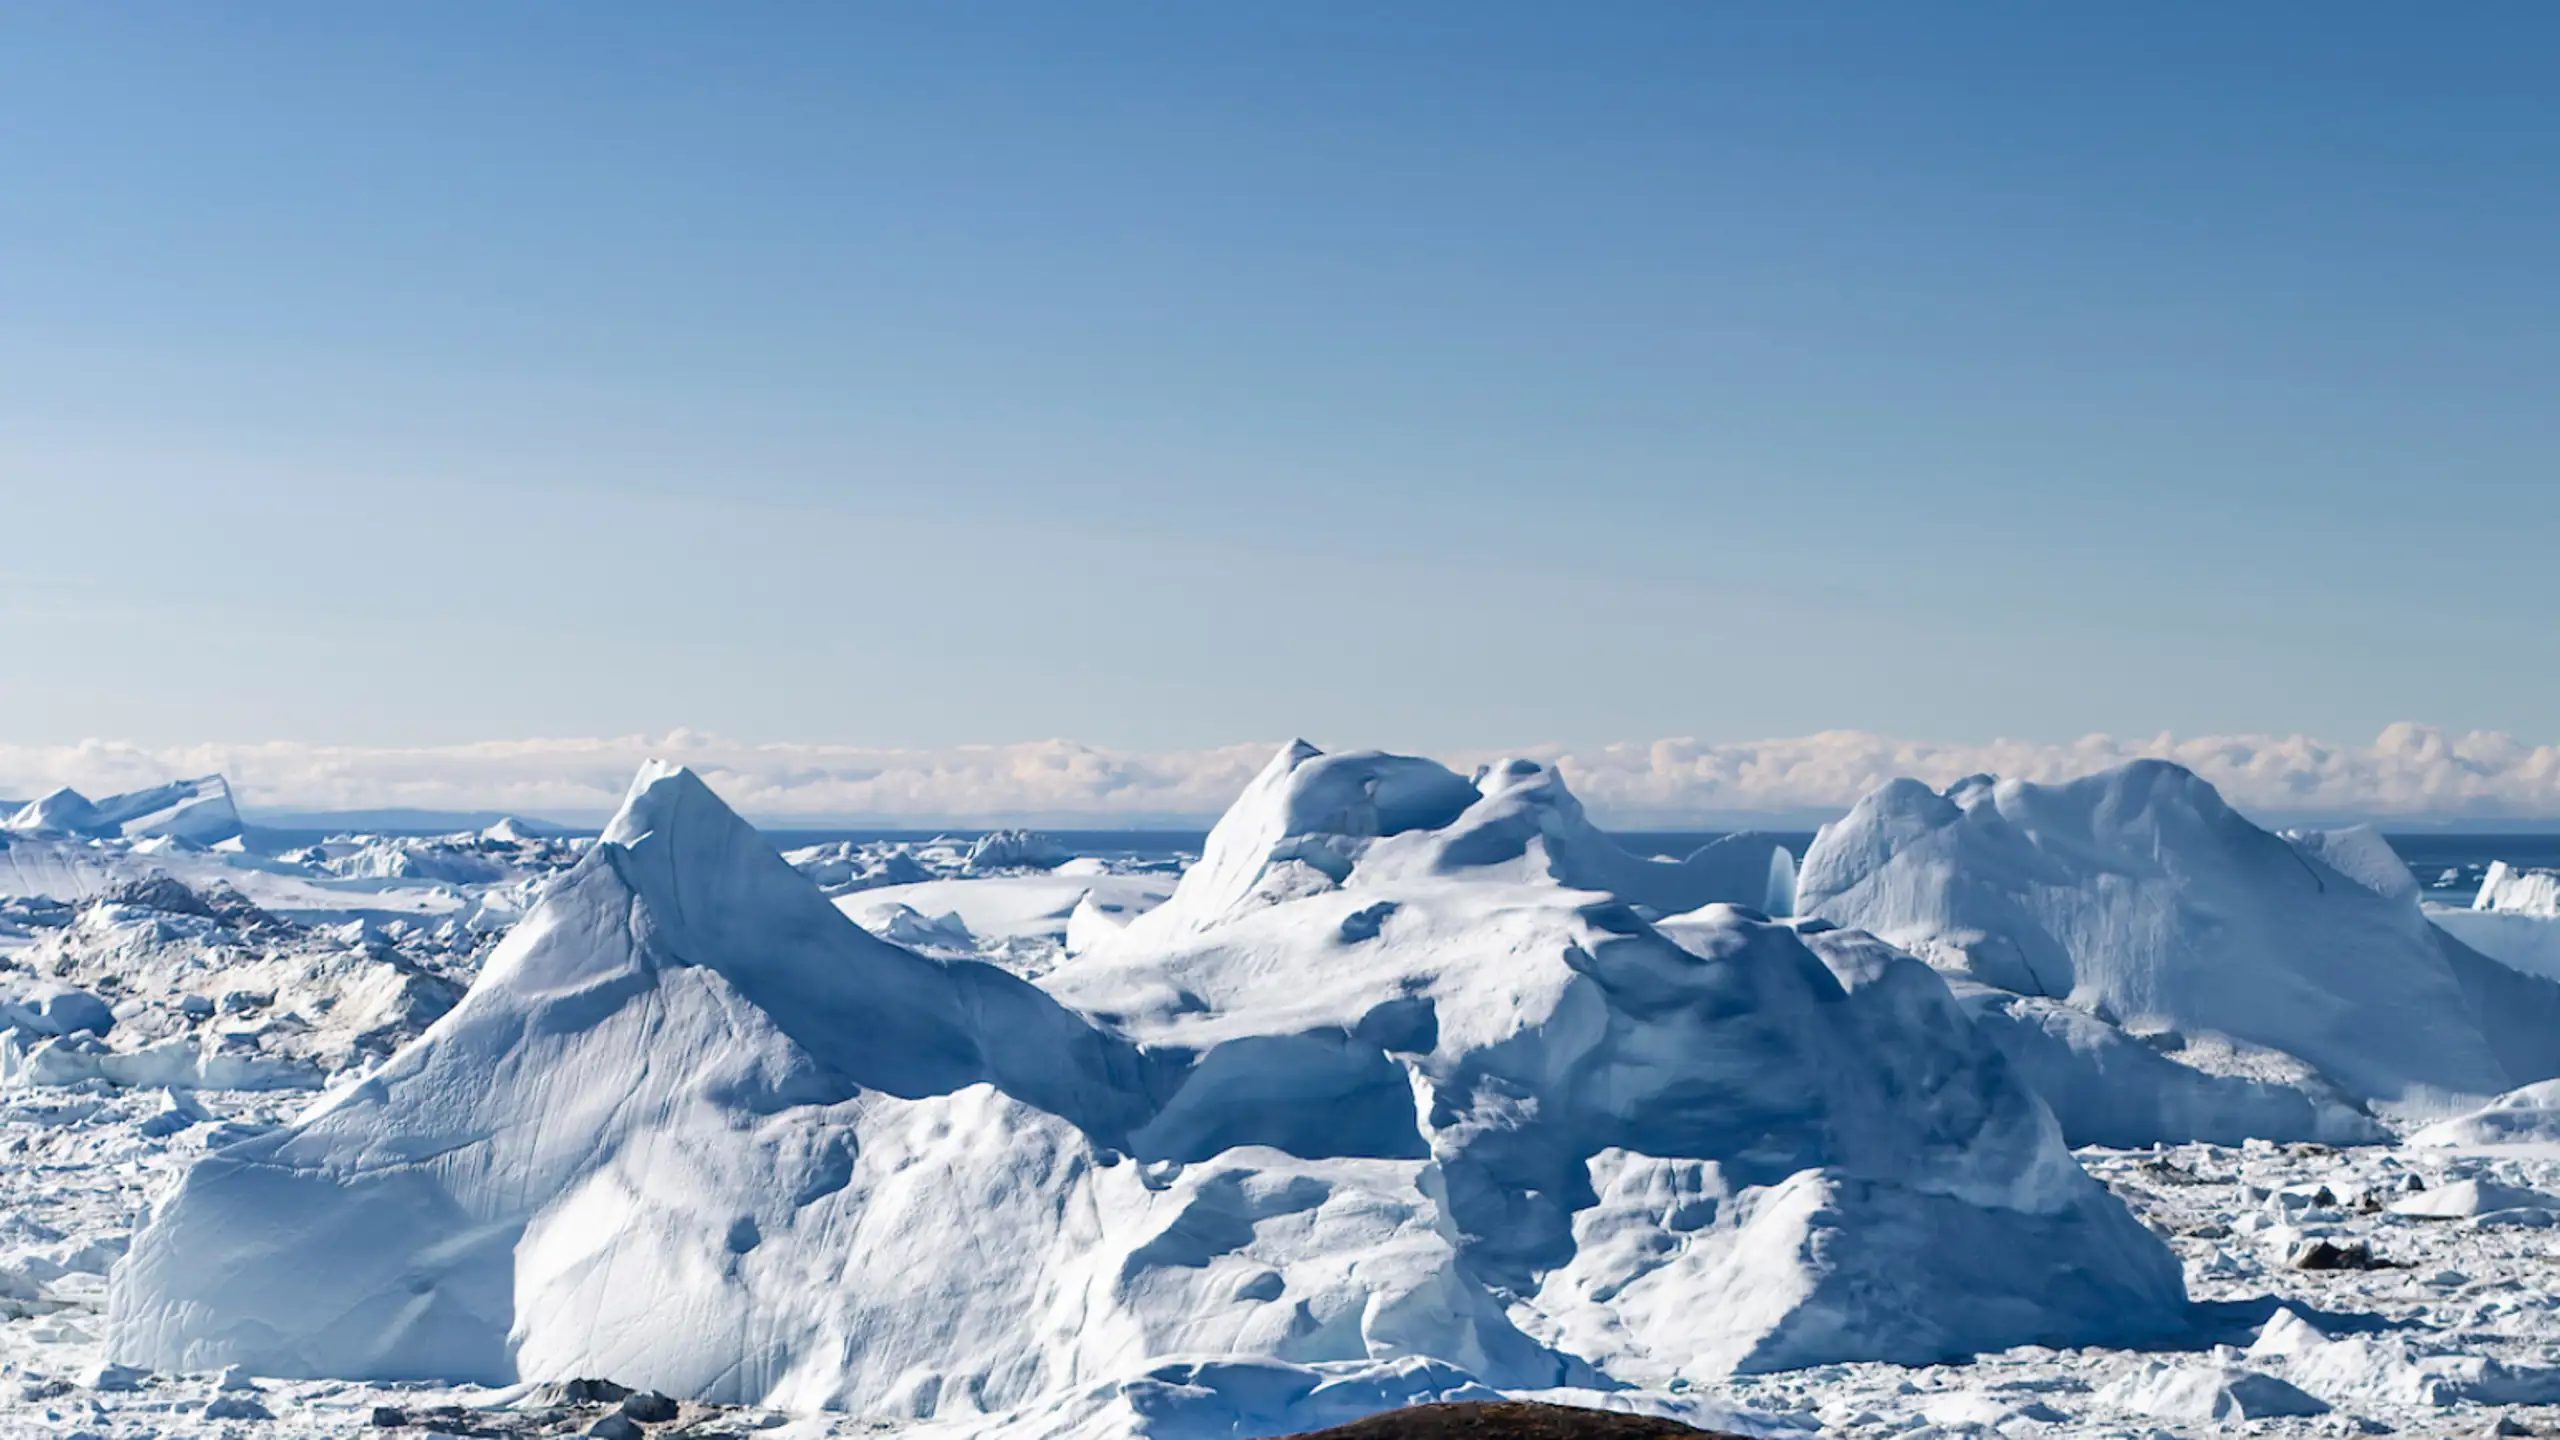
(1427, 376)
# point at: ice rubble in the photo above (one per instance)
(203, 989)
(2469, 1199)
(1398, 1095)
(2290, 984)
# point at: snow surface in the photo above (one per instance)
(2292, 982)
(1393, 1104)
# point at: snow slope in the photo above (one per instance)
(2137, 899)
(1437, 1123)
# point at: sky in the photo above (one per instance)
(1443, 377)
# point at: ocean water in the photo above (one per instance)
(2450, 866)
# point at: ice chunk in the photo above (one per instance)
(2527, 1116)
(2209, 1394)
(2465, 1199)
(57, 1010)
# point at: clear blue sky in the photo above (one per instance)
(1430, 375)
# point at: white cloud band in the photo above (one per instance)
(2409, 771)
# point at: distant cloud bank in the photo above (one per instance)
(2409, 771)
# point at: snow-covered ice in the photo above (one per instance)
(2513, 890)
(1414, 1087)
(2294, 983)
(1381, 1086)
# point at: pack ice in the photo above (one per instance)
(2164, 970)
(1416, 1086)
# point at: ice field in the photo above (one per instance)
(2015, 1109)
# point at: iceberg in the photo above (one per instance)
(2514, 890)
(1399, 1095)
(1001, 850)
(2135, 905)
(198, 812)
(2514, 919)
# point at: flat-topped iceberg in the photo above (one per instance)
(197, 812)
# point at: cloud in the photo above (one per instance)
(2409, 771)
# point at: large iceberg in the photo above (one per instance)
(2291, 983)
(1400, 1094)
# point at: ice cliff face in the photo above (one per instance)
(2290, 981)
(1401, 1094)
(2515, 890)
